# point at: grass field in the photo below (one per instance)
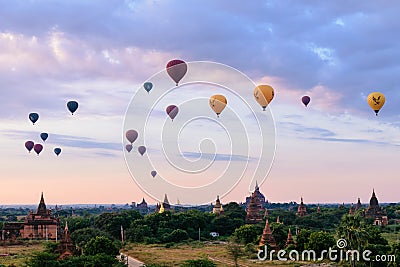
(19, 253)
(174, 256)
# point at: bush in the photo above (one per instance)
(198, 263)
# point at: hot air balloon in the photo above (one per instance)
(33, 117)
(57, 150)
(131, 135)
(172, 111)
(72, 106)
(153, 173)
(376, 101)
(142, 150)
(147, 86)
(218, 103)
(306, 100)
(176, 69)
(263, 95)
(128, 147)
(29, 145)
(44, 136)
(38, 148)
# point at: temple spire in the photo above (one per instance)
(42, 210)
(257, 188)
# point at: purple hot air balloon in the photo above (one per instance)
(38, 148)
(176, 69)
(29, 145)
(172, 111)
(306, 100)
(142, 150)
(153, 173)
(128, 147)
(131, 135)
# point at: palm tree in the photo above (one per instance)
(353, 229)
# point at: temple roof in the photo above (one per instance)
(373, 202)
(42, 210)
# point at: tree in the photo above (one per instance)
(235, 251)
(302, 239)
(354, 231)
(138, 233)
(82, 236)
(395, 250)
(247, 233)
(101, 244)
(319, 241)
(176, 236)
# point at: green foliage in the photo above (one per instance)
(137, 233)
(112, 222)
(395, 250)
(319, 241)
(176, 236)
(302, 239)
(279, 231)
(50, 247)
(247, 233)
(354, 230)
(198, 263)
(101, 244)
(76, 223)
(41, 259)
(82, 236)
(235, 251)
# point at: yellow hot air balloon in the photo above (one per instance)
(376, 101)
(264, 95)
(218, 103)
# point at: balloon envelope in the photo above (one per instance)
(33, 117)
(44, 136)
(218, 103)
(131, 135)
(57, 150)
(176, 69)
(147, 86)
(376, 101)
(306, 100)
(264, 95)
(72, 106)
(38, 148)
(153, 173)
(172, 111)
(128, 147)
(142, 150)
(29, 145)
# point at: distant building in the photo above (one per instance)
(141, 207)
(66, 248)
(37, 225)
(352, 210)
(161, 207)
(254, 210)
(218, 209)
(259, 195)
(289, 240)
(267, 238)
(358, 206)
(376, 212)
(301, 209)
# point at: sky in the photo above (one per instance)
(100, 53)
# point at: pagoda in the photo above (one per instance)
(352, 210)
(376, 212)
(254, 210)
(359, 206)
(301, 209)
(218, 209)
(164, 205)
(267, 238)
(289, 240)
(66, 248)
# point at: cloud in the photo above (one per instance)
(216, 157)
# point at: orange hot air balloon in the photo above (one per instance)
(376, 101)
(218, 103)
(264, 95)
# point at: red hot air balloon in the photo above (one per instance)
(176, 69)
(38, 148)
(131, 135)
(305, 99)
(29, 145)
(172, 111)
